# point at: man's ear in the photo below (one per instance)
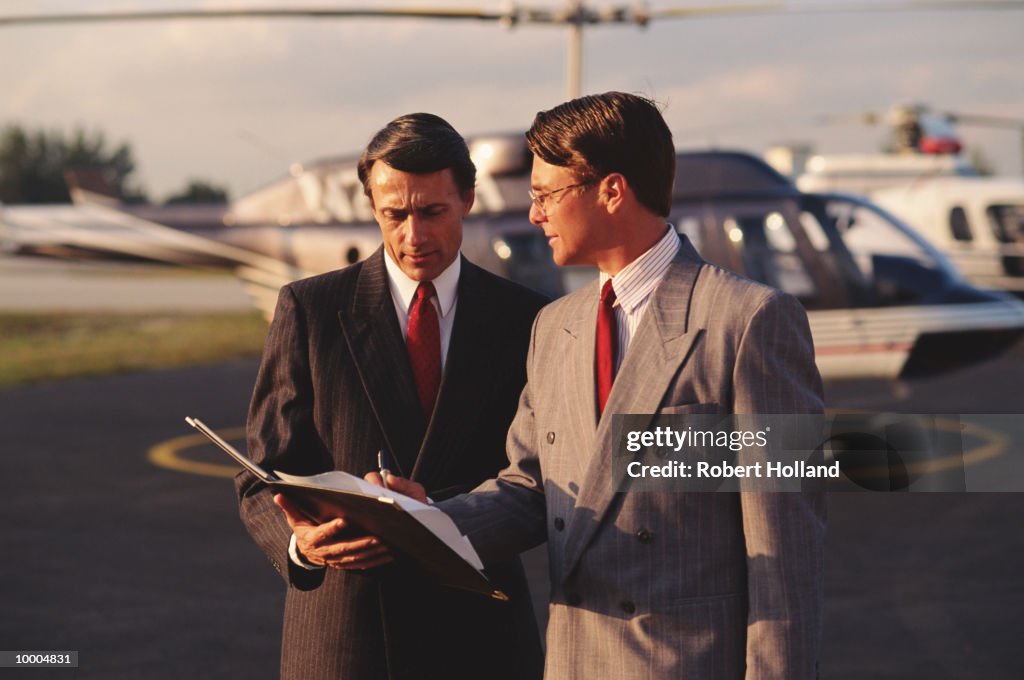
(613, 190)
(468, 198)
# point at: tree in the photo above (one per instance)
(199, 191)
(33, 162)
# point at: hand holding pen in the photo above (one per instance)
(383, 465)
(385, 478)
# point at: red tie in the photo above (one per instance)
(607, 342)
(424, 345)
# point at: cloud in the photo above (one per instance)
(236, 101)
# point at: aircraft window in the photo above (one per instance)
(822, 234)
(868, 234)
(815, 234)
(900, 269)
(779, 236)
(768, 253)
(527, 260)
(1007, 222)
(958, 224)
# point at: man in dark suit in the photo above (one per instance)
(417, 352)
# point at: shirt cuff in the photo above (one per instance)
(297, 558)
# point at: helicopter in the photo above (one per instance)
(977, 221)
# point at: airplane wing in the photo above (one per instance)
(97, 229)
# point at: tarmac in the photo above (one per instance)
(144, 568)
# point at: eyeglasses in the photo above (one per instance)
(543, 201)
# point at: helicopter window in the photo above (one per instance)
(778, 235)
(1007, 222)
(815, 234)
(868, 234)
(768, 253)
(526, 259)
(958, 224)
(824, 237)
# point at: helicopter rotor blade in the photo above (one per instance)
(710, 11)
(572, 14)
(862, 118)
(262, 13)
(982, 120)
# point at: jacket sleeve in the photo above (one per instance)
(281, 436)
(784, 532)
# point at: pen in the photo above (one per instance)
(384, 471)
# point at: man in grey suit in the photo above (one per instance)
(417, 352)
(658, 584)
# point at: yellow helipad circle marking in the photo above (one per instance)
(997, 443)
(167, 454)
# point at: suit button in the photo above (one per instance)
(559, 523)
(574, 599)
(628, 607)
(643, 535)
(551, 437)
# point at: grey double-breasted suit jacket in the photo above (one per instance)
(662, 584)
(334, 387)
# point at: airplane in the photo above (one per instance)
(882, 302)
(978, 222)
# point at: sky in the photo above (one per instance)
(236, 102)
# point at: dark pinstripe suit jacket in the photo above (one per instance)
(334, 386)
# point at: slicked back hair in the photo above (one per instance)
(419, 143)
(597, 135)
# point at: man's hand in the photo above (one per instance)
(324, 545)
(402, 485)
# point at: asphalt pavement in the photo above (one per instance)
(146, 570)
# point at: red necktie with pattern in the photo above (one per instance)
(424, 345)
(607, 342)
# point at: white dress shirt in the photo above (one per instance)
(403, 289)
(635, 283)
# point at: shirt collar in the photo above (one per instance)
(639, 278)
(403, 288)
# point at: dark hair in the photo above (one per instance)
(597, 135)
(420, 143)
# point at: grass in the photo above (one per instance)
(53, 346)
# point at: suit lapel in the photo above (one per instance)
(375, 343)
(660, 347)
(468, 370)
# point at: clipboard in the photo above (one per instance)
(420, 532)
